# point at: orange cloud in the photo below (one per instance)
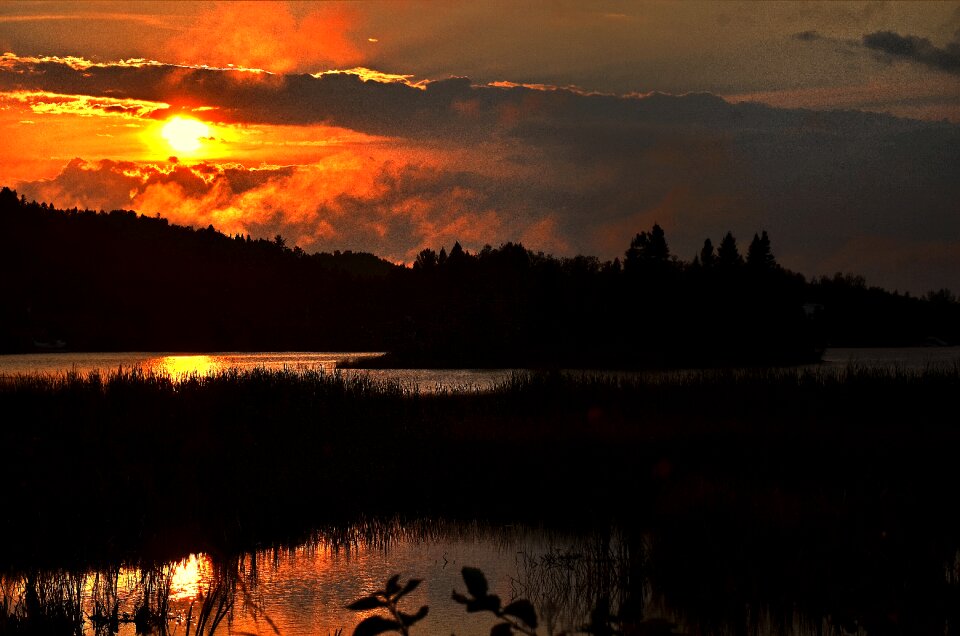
(369, 74)
(45, 102)
(268, 36)
(344, 201)
(546, 235)
(15, 62)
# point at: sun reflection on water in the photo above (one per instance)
(187, 577)
(180, 366)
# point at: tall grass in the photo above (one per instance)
(42, 602)
(157, 463)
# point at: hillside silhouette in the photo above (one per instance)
(99, 281)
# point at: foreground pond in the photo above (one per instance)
(672, 583)
(655, 585)
(305, 589)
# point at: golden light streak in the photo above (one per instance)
(371, 75)
(77, 63)
(45, 102)
(569, 88)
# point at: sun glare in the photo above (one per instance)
(187, 577)
(184, 134)
(179, 366)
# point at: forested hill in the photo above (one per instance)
(119, 281)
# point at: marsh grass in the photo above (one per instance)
(101, 600)
(42, 602)
(155, 465)
(564, 584)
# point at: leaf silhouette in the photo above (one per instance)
(522, 609)
(375, 625)
(410, 619)
(393, 585)
(476, 581)
(489, 603)
(411, 585)
(366, 603)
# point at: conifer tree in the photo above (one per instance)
(727, 254)
(759, 255)
(708, 258)
(647, 249)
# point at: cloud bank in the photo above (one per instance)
(560, 169)
(916, 49)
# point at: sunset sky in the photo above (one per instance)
(569, 126)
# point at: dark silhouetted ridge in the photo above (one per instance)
(118, 281)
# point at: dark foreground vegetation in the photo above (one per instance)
(94, 281)
(808, 492)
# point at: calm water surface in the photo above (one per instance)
(180, 364)
(303, 590)
(425, 380)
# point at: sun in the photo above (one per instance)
(184, 134)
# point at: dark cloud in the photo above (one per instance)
(916, 49)
(447, 108)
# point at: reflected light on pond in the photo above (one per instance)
(179, 366)
(187, 577)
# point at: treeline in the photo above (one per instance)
(649, 309)
(119, 281)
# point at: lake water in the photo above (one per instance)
(179, 364)
(424, 380)
(303, 589)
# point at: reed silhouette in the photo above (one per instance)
(138, 441)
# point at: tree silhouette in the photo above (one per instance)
(500, 307)
(8, 199)
(759, 255)
(708, 258)
(426, 260)
(728, 256)
(458, 257)
(647, 250)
